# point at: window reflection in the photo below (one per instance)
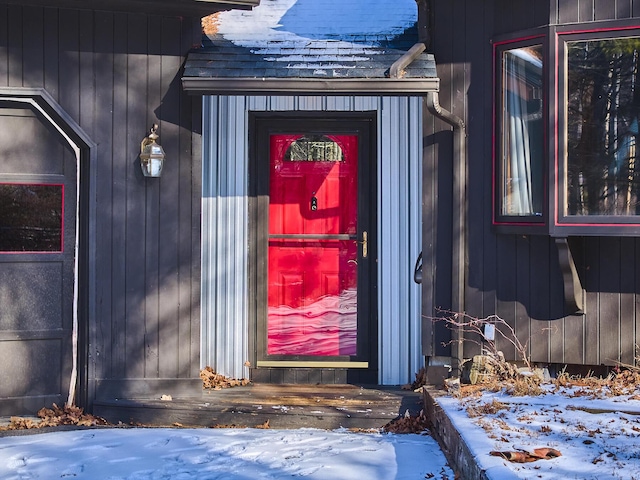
(521, 181)
(602, 127)
(30, 218)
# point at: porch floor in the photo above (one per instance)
(283, 406)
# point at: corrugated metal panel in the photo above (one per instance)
(399, 217)
(224, 238)
(224, 293)
(415, 135)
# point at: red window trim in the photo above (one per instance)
(41, 252)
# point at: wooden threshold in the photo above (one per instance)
(310, 364)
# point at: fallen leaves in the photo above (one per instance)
(215, 381)
(210, 24)
(262, 426)
(419, 382)
(522, 456)
(408, 424)
(619, 382)
(490, 408)
(55, 417)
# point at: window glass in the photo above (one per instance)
(521, 185)
(30, 218)
(603, 108)
(314, 148)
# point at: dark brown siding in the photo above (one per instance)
(572, 11)
(518, 277)
(116, 74)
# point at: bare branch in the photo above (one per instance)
(475, 325)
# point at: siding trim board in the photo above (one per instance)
(226, 324)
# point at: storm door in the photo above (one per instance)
(318, 244)
(37, 239)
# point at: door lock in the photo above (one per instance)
(314, 204)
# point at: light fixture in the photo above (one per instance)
(151, 154)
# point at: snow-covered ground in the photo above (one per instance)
(597, 435)
(230, 454)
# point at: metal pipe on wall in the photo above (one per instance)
(459, 217)
(459, 207)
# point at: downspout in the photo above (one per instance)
(459, 220)
(459, 207)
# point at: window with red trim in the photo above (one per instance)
(598, 178)
(30, 218)
(520, 155)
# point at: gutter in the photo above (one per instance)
(459, 207)
(309, 86)
(174, 8)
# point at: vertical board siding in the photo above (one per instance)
(225, 322)
(104, 136)
(116, 74)
(115, 218)
(518, 277)
(571, 11)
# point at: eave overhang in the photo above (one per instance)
(311, 86)
(194, 8)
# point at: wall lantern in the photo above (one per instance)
(151, 154)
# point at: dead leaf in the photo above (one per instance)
(516, 457)
(544, 453)
(264, 426)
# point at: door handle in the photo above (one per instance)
(365, 243)
(417, 270)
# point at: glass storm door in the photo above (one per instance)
(313, 190)
(313, 245)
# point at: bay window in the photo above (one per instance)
(565, 152)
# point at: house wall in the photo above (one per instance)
(116, 74)
(518, 277)
(227, 326)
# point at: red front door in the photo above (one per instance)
(313, 245)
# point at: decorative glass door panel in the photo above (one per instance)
(313, 245)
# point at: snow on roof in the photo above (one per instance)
(312, 38)
(369, 22)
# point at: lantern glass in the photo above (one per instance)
(152, 159)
